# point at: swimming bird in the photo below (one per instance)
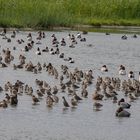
(122, 113)
(35, 99)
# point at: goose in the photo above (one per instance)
(122, 113)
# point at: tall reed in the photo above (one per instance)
(45, 13)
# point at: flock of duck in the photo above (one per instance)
(73, 84)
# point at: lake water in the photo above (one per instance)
(28, 122)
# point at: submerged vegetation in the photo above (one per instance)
(47, 13)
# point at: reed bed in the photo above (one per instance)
(49, 13)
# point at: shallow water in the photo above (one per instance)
(82, 123)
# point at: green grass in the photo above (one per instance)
(48, 13)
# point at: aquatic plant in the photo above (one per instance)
(46, 13)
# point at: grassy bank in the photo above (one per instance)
(46, 13)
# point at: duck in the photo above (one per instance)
(52, 51)
(63, 42)
(123, 104)
(38, 52)
(70, 60)
(122, 113)
(61, 55)
(131, 97)
(104, 68)
(29, 37)
(13, 35)
(49, 101)
(97, 96)
(124, 37)
(107, 33)
(45, 50)
(83, 39)
(134, 36)
(77, 98)
(35, 99)
(3, 104)
(97, 105)
(65, 103)
(78, 35)
(122, 70)
(73, 102)
(131, 74)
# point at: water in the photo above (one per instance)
(82, 123)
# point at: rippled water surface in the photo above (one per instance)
(28, 122)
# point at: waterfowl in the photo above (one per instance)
(131, 74)
(84, 32)
(97, 96)
(46, 49)
(35, 99)
(70, 60)
(107, 33)
(76, 97)
(134, 36)
(123, 104)
(52, 51)
(13, 35)
(3, 104)
(73, 102)
(49, 101)
(104, 68)
(29, 37)
(78, 35)
(39, 93)
(65, 103)
(124, 37)
(13, 99)
(97, 105)
(131, 97)
(63, 43)
(61, 55)
(55, 98)
(122, 113)
(122, 70)
(38, 52)
(83, 39)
